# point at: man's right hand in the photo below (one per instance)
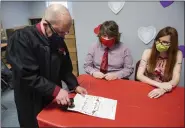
(98, 75)
(62, 97)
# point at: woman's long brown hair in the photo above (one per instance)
(172, 53)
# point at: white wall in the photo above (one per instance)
(37, 9)
(18, 13)
(87, 15)
(14, 14)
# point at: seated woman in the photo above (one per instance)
(161, 65)
(109, 58)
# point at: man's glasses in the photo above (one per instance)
(164, 43)
(53, 30)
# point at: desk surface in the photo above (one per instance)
(134, 107)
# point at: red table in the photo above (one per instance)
(134, 107)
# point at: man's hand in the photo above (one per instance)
(81, 90)
(166, 86)
(111, 76)
(62, 97)
(156, 93)
(98, 75)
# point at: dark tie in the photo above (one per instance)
(104, 63)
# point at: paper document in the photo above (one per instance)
(95, 106)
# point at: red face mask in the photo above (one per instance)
(109, 43)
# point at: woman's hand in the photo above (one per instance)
(156, 93)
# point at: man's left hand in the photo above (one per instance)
(81, 90)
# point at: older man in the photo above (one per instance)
(40, 60)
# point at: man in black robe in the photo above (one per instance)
(40, 60)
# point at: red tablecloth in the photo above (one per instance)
(134, 107)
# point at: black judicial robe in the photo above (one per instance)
(36, 72)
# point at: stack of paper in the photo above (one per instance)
(95, 106)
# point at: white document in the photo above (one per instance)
(95, 106)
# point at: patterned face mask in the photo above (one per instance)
(161, 48)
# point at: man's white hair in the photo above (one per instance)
(55, 13)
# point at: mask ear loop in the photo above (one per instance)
(45, 29)
(46, 33)
(50, 26)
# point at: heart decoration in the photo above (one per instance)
(182, 48)
(166, 3)
(116, 6)
(146, 34)
(97, 29)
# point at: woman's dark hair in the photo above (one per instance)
(111, 29)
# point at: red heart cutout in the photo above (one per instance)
(97, 29)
